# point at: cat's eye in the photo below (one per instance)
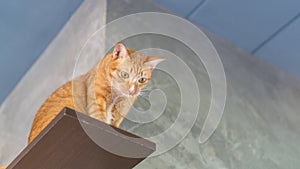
(124, 75)
(142, 80)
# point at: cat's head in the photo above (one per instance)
(131, 71)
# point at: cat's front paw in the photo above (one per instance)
(109, 118)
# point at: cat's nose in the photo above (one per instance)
(131, 89)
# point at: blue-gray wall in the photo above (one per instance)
(269, 29)
(26, 29)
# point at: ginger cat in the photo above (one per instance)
(106, 92)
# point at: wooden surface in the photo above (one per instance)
(64, 144)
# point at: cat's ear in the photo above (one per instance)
(152, 61)
(120, 51)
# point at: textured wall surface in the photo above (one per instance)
(53, 68)
(268, 29)
(26, 29)
(260, 125)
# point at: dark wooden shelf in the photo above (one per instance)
(64, 144)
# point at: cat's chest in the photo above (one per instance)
(116, 110)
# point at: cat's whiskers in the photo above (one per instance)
(143, 94)
(148, 88)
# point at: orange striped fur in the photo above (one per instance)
(106, 92)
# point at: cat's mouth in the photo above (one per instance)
(125, 94)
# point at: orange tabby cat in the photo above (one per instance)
(106, 92)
